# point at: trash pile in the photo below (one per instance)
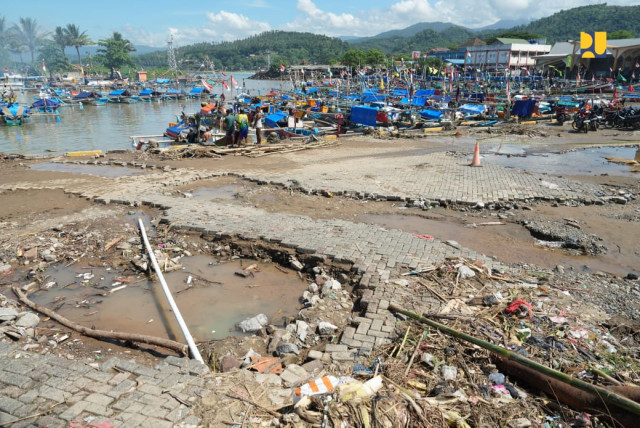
(536, 347)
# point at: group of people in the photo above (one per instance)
(236, 126)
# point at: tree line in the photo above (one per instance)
(272, 49)
(26, 36)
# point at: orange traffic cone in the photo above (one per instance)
(476, 156)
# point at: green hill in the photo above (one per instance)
(295, 48)
(251, 53)
(567, 24)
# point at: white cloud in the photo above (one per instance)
(404, 13)
(220, 26)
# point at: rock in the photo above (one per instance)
(293, 375)
(315, 299)
(618, 200)
(8, 314)
(631, 276)
(560, 269)
(313, 287)
(31, 253)
(278, 336)
(302, 330)
(5, 268)
(287, 348)
(331, 285)
(315, 355)
(229, 363)
(313, 367)
(325, 328)
(27, 320)
(401, 282)
(253, 324)
(466, 272)
(295, 264)
(320, 280)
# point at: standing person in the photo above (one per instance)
(242, 128)
(229, 125)
(257, 123)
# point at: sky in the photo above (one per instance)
(152, 23)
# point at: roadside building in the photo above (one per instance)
(505, 53)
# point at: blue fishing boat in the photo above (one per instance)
(46, 105)
(14, 113)
(122, 96)
(91, 98)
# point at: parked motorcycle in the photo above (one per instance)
(561, 115)
(581, 121)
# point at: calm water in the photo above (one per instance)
(105, 127)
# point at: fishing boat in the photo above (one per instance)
(122, 96)
(91, 98)
(46, 105)
(14, 113)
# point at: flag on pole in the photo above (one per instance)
(223, 73)
(282, 68)
(468, 59)
(224, 83)
(593, 77)
(451, 80)
(233, 82)
(631, 89)
(44, 67)
(637, 64)
(416, 55)
(526, 70)
(207, 86)
(508, 91)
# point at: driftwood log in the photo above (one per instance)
(103, 334)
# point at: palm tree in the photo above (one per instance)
(14, 44)
(29, 34)
(76, 38)
(61, 38)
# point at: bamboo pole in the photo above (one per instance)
(606, 395)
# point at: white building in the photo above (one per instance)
(505, 53)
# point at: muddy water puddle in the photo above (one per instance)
(589, 161)
(508, 243)
(212, 304)
(225, 192)
(96, 170)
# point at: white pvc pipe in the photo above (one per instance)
(192, 345)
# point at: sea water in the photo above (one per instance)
(109, 127)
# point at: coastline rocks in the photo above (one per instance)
(253, 324)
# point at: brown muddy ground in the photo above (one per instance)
(24, 213)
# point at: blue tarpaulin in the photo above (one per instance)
(364, 115)
(83, 95)
(272, 119)
(471, 109)
(373, 98)
(425, 92)
(523, 108)
(196, 90)
(146, 92)
(117, 92)
(431, 114)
